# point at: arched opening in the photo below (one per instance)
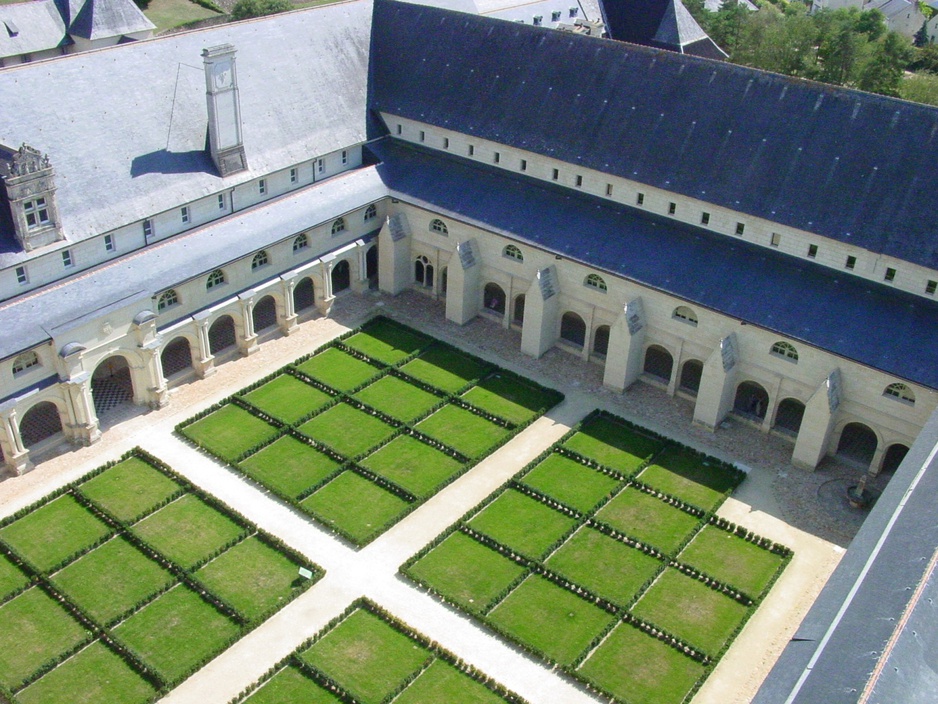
(423, 272)
(893, 458)
(264, 314)
(601, 340)
(111, 385)
(341, 277)
(221, 335)
(371, 264)
(857, 444)
(39, 423)
(176, 357)
(304, 295)
(573, 328)
(788, 416)
(691, 373)
(659, 363)
(518, 316)
(493, 298)
(752, 400)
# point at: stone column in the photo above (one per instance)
(288, 322)
(817, 423)
(717, 384)
(15, 454)
(324, 301)
(359, 280)
(247, 345)
(588, 335)
(541, 312)
(205, 364)
(157, 394)
(84, 426)
(626, 342)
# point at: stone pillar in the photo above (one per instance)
(541, 312)
(588, 335)
(817, 423)
(462, 287)
(773, 404)
(626, 342)
(359, 280)
(247, 345)
(288, 322)
(15, 454)
(325, 297)
(205, 364)
(157, 394)
(84, 426)
(717, 384)
(394, 265)
(676, 369)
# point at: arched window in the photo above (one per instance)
(595, 281)
(900, 392)
(371, 212)
(439, 227)
(167, 299)
(423, 271)
(260, 259)
(301, 242)
(25, 361)
(785, 351)
(685, 315)
(513, 252)
(338, 226)
(216, 278)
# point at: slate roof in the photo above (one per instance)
(852, 166)
(109, 18)
(30, 27)
(854, 318)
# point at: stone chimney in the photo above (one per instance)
(224, 109)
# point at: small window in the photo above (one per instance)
(439, 227)
(705, 218)
(513, 252)
(890, 274)
(640, 199)
(260, 259)
(472, 150)
(595, 281)
(67, 258)
(556, 174)
(321, 166)
(496, 157)
(221, 201)
(184, 212)
(423, 136)
(300, 242)
(21, 277)
(740, 228)
(400, 129)
(294, 175)
(262, 186)
(608, 190)
(931, 286)
(851, 262)
(109, 243)
(216, 278)
(338, 226)
(579, 181)
(812, 251)
(445, 142)
(371, 212)
(785, 350)
(900, 392)
(25, 361)
(685, 315)
(672, 208)
(524, 164)
(775, 240)
(148, 228)
(344, 156)
(167, 300)
(537, 20)
(37, 213)
(555, 16)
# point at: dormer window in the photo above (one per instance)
(537, 20)
(555, 16)
(574, 11)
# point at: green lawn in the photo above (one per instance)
(466, 572)
(554, 621)
(129, 489)
(339, 370)
(93, 676)
(11, 578)
(387, 342)
(398, 398)
(332, 427)
(111, 579)
(366, 656)
(648, 519)
(732, 560)
(613, 444)
(412, 465)
(446, 368)
(204, 528)
(441, 683)
(229, 432)
(570, 482)
(50, 534)
(522, 523)
(289, 466)
(639, 669)
(291, 685)
(688, 476)
(463, 430)
(509, 397)
(603, 565)
(287, 398)
(359, 507)
(166, 14)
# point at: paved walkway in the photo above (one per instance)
(372, 571)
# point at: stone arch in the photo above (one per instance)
(423, 271)
(789, 415)
(304, 295)
(112, 384)
(517, 315)
(659, 363)
(691, 374)
(601, 340)
(221, 335)
(857, 444)
(341, 276)
(573, 328)
(41, 422)
(176, 357)
(264, 314)
(371, 263)
(895, 453)
(752, 400)
(493, 298)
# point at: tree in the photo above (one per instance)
(920, 88)
(244, 9)
(885, 67)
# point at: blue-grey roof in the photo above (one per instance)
(854, 318)
(30, 27)
(852, 166)
(98, 19)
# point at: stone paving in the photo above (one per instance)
(776, 501)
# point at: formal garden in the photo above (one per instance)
(604, 558)
(367, 656)
(120, 585)
(368, 427)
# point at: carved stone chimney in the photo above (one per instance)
(29, 182)
(224, 109)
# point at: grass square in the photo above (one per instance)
(291, 685)
(337, 369)
(732, 560)
(463, 430)
(510, 397)
(648, 519)
(111, 579)
(188, 530)
(466, 572)
(33, 629)
(354, 504)
(176, 632)
(332, 426)
(413, 465)
(689, 477)
(552, 620)
(11, 578)
(288, 466)
(446, 368)
(639, 669)
(691, 610)
(129, 489)
(92, 676)
(51, 533)
(398, 398)
(229, 432)
(570, 482)
(387, 342)
(522, 523)
(367, 656)
(287, 398)
(441, 682)
(603, 565)
(253, 577)
(613, 444)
